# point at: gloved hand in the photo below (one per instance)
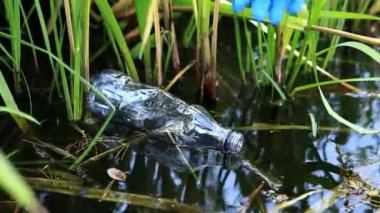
(275, 8)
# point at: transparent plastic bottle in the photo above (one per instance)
(160, 114)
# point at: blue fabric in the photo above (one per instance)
(295, 6)
(239, 5)
(260, 9)
(275, 9)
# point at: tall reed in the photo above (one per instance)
(12, 11)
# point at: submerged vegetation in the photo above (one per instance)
(65, 41)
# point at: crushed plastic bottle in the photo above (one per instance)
(160, 114)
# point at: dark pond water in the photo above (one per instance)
(338, 168)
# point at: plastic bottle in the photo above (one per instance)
(160, 114)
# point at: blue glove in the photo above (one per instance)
(274, 8)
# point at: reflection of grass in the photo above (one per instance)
(172, 140)
(75, 189)
(270, 127)
(353, 189)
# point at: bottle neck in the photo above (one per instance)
(222, 136)
(234, 142)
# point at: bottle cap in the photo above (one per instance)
(234, 142)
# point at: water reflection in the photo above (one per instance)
(339, 162)
(216, 176)
(344, 164)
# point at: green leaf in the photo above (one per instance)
(14, 184)
(86, 83)
(275, 85)
(18, 113)
(346, 15)
(113, 25)
(326, 83)
(142, 8)
(340, 119)
(374, 54)
(6, 95)
(371, 53)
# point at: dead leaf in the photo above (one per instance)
(116, 174)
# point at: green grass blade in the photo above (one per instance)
(251, 57)
(294, 45)
(45, 37)
(189, 32)
(260, 44)
(16, 46)
(238, 41)
(327, 83)
(9, 55)
(78, 42)
(16, 186)
(276, 87)
(64, 80)
(340, 119)
(112, 24)
(374, 54)
(86, 39)
(86, 83)
(12, 10)
(142, 9)
(10, 103)
(327, 106)
(15, 112)
(157, 75)
(26, 24)
(347, 15)
(337, 24)
(271, 50)
(316, 8)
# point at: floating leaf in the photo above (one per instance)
(116, 174)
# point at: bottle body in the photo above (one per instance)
(160, 114)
